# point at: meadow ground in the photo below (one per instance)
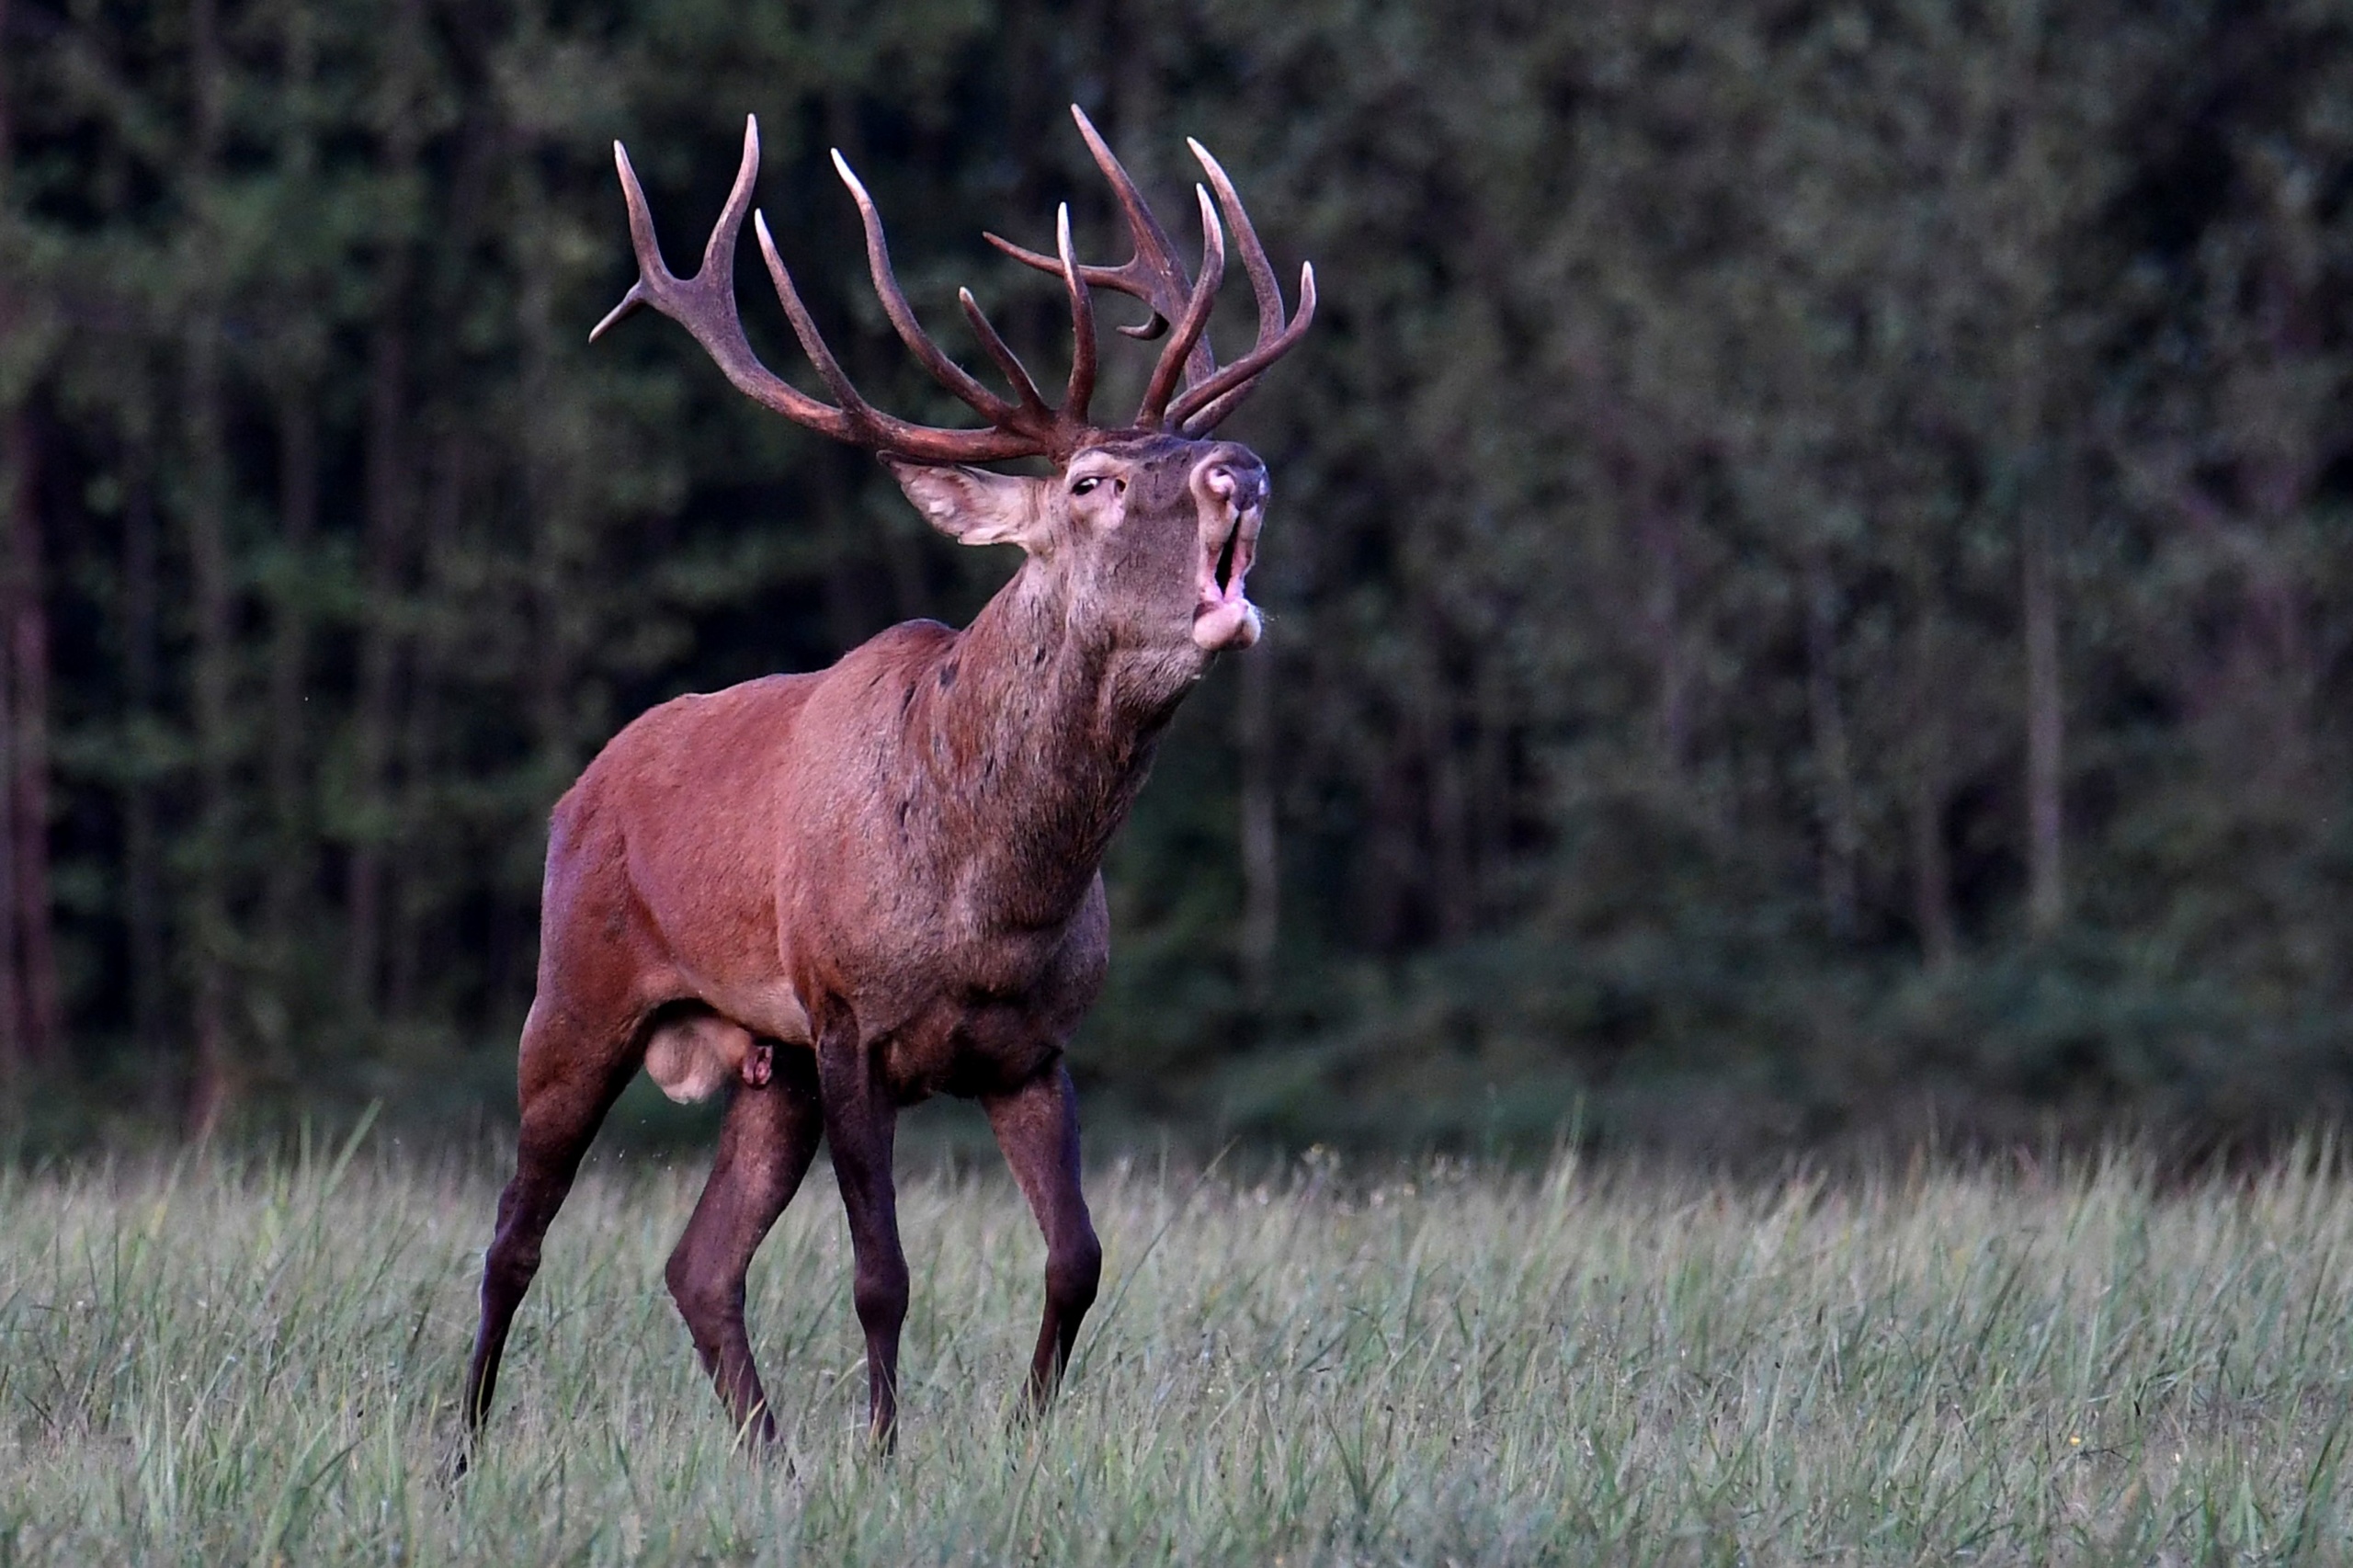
(223, 1362)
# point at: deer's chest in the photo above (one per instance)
(1005, 1015)
(968, 1050)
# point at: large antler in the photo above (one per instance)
(705, 305)
(1154, 275)
(1025, 427)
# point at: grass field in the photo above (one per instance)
(226, 1363)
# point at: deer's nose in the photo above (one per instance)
(1241, 486)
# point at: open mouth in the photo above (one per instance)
(1224, 617)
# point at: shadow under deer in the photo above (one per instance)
(832, 895)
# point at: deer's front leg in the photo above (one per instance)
(861, 1120)
(1037, 1126)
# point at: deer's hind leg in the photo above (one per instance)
(773, 1124)
(571, 1069)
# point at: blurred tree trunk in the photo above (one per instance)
(2030, 204)
(554, 527)
(143, 880)
(2045, 723)
(288, 893)
(1448, 820)
(290, 746)
(19, 489)
(206, 522)
(386, 527)
(1834, 766)
(27, 636)
(419, 889)
(205, 516)
(848, 619)
(1925, 793)
(1662, 542)
(388, 545)
(1261, 848)
(16, 1046)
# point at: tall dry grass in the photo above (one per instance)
(255, 1362)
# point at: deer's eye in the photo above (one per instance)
(1085, 486)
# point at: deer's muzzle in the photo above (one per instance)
(1230, 495)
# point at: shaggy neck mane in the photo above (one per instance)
(1034, 734)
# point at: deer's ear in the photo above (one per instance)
(972, 506)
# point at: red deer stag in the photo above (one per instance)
(845, 892)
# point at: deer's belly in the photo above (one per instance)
(771, 1009)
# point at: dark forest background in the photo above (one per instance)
(1809, 588)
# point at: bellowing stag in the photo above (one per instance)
(840, 894)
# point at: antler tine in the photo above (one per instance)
(1202, 407)
(705, 304)
(1081, 389)
(946, 372)
(1152, 274)
(1193, 324)
(1006, 360)
(1114, 278)
(869, 424)
(650, 268)
(1268, 292)
(805, 327)
(1082, 326)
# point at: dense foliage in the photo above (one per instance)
(1810, 584)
